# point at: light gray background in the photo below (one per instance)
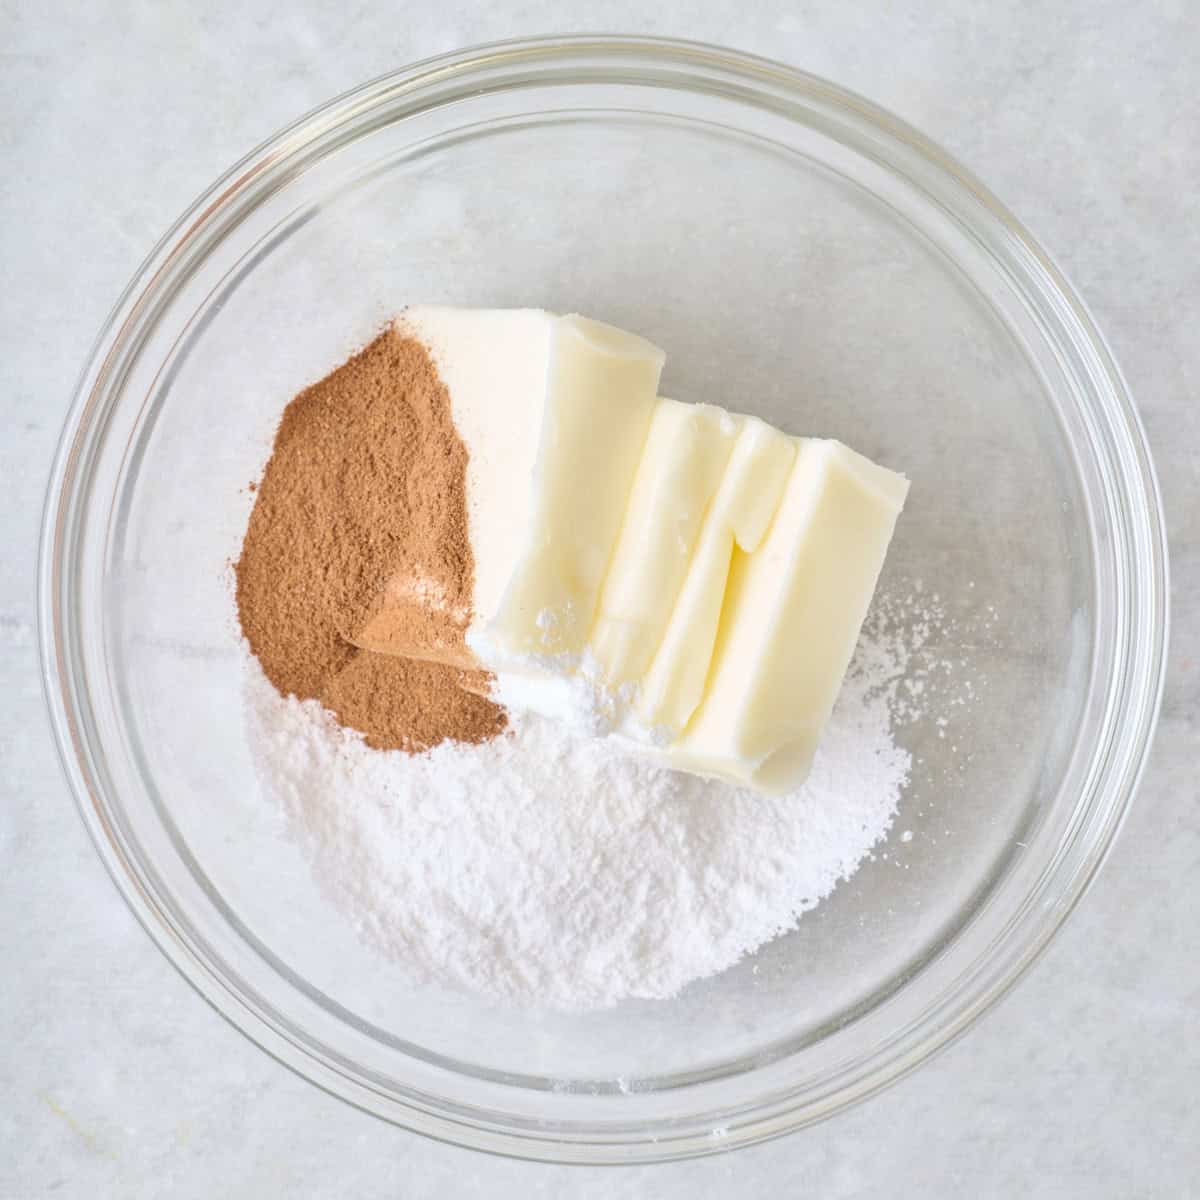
(115, 1078)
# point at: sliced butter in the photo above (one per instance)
(601, 385)
(684, 458)
(687, 578)
(745, 502)
(791, 617)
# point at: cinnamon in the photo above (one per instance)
(358, 536)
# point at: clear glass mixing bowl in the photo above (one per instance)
(799, 253)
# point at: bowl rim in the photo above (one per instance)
(611, 58)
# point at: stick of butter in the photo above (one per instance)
(792, 613)
(739, 516)
(681, 468)
(600, 396)
(686, 578)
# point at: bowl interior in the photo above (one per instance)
(786, 274)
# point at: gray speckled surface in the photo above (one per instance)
(116, 1079)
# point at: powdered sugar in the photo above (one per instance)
(547, 868)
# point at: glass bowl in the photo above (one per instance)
(799, 253)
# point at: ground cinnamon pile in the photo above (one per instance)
(359, 535)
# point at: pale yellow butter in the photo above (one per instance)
(689, 579)
(740, 514)
(792, 615)
(681, 468)
(601, 385)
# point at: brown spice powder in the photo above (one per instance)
(360, 524)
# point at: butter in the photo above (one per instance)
(681, 468)
(793, 611)
(688, 579)
(599, 399)
(741, 511)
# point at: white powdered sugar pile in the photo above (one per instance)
(544, 868)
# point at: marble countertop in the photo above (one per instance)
(116, 1078)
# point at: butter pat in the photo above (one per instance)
(741, 511)
(793, 611)
(599, 398)
(682, 464)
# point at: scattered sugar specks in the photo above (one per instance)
(546, 868)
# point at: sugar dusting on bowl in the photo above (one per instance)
(547, 868)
